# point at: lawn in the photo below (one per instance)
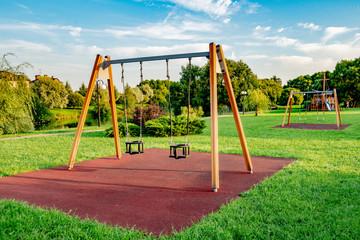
(317, 197)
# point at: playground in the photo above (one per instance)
(221, 188)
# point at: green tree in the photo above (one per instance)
(303, 83)
(68, 87)
(298, 98)
(51, 92)
(160, 91)
(82, 90)
(15, 98)
(271, 88)
(276, 79)
(346, 77)
(104, 103)
(75, 100)
(256, 100)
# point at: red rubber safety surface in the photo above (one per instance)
(149, 191)
(312, 126)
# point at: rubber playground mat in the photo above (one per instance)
(312, 126)
(149, 191)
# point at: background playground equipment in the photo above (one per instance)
(102, 70)
(318, 93)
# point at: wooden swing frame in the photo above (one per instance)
(102, 67)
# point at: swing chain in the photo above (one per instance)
(141, 101)
(125, 111)
(168, 78)
(188, 107)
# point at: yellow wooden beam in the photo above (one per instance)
(113, 111)
(234, 108)
(214, 119)
(287, 106)
(84, 111)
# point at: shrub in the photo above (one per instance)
(134, 130)
(149, 112)
(195, 112)
(41, 112)
(161, 127)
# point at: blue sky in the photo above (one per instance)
(282, 38)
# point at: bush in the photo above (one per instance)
(161, 127)
(75, 100)
(150, 112)
(134, 130)
(41, 112)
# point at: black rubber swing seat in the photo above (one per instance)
(185, 151)
(140, 147)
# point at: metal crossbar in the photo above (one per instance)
(314, 92)
(106, 64)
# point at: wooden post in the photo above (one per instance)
(113, 111)
(234, 108)
(291, 99)
(214, 119)
(287, 106)
(84, 111)
(338, 117)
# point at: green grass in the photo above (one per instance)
(317, 197)
(66, 113)
(53, 131)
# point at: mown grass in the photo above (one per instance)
(317, 197)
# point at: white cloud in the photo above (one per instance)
(185, 30)
(310, 26)
(262, 29)
(331, 32)
(226, 20)
(281, 29)
(294, 60)
(217, 8)
(47, 29)
(24, 7)
(253, 8)
(255, 57)
(19, 45)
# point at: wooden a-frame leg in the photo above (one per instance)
(287, 106)
(291, 100)
(338, 116)
(234, 109)
(113, 111)
(214, 119)
(84, 111)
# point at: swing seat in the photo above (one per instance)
(185, 151)
(140, 147)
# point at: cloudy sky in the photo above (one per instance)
(286, 38)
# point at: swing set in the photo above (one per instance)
(103, 70)
(316, 105)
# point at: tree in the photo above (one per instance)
(271, 89)
(82, 90)
(15, 98)
(160, 91)
(104, 103)
(276, 79)
(303, 83)
(256, 100)
(68, 87)
(346, 78)
(51, 92)
(297, 98)
(75, 100)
